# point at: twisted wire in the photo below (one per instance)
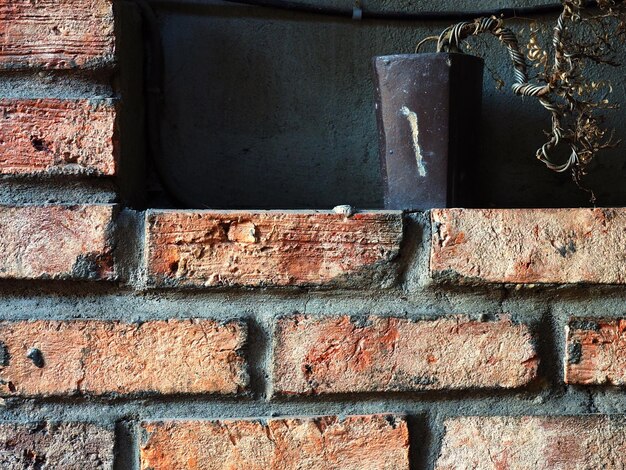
(452, 37)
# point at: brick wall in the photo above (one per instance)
(171, 339)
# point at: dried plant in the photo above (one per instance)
(575, 102)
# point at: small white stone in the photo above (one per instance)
(345, 209)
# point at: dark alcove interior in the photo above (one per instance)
(269, 109)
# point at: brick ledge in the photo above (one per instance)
(527, 246)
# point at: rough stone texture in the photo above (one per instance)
(194, 248)
(66, 446)
(512, 443)
(530, 246)
(51, 242)
(336, 355)
(50, 136)
(56, 34)
(596, 352)
(354, 443)
(46, 358)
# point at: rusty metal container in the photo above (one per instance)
(428, 108)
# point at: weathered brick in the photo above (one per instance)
(56, 34)
(66, 446)
(530, 245)
(596, 352)
(51, 136)
(56, 242)
(354, 443)
(521, 443)
(206, 248)
(338, 355)
(54, 358)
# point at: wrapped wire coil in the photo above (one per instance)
(450, 40)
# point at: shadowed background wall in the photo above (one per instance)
(270, 109)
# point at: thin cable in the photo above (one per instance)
(153, 95)
(348, 12)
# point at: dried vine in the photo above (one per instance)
(562, 88)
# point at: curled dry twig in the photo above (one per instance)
(562, 88)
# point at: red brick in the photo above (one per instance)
(50, 136)
(530, 245)
(354, 443)
(337, 355)
(66, 446)
(105, 357)
(596, 352)
(56, 34)
(202, 248)
(520, 443)
(56, 242)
